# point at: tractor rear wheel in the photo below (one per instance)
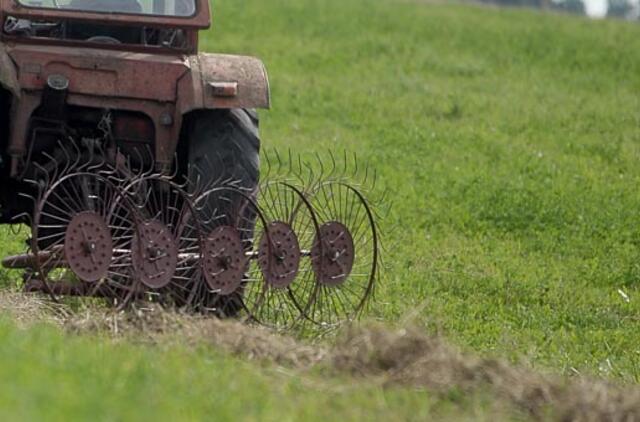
(224, 148)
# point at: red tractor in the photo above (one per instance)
(75, 69)
(135, 160)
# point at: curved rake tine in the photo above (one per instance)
(87, 164)
(67, 163)
(345, 163)
(136, 174)
(312, 177)
(374, 182)
(366, 175)
(266, 163)
(355, 164)
(76, 163)
(174, 172)
(300, 170)
(101, 159)
(152, 172)
(44, 172)
(194, 185)
(279, 160)
(321, 171)
(55, 168)
(142, 172)
(290, 160)
(20, 218)
(333, 164)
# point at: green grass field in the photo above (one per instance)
(509, 141)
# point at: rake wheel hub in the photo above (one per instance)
(279, 255)
(154, 254)
(333, 254)
(224, 260)
(88, 246)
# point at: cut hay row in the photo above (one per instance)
(375, 354)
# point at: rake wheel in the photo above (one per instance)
(227, 215)
(281, 279)
(166, 244)
(80, 235)
(128, 234)
(344, 254)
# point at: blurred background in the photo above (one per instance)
(597, 9)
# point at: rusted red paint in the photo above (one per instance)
(224, 260)
(73, 289)
(333, 254)
(154, 254)
(163, 84)
(88, 246)
(279, 255)
(8, 73)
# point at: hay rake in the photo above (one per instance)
(302, 248)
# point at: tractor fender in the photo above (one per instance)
(221, 81)
(8, 74)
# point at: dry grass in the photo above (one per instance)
(405, 357)
(162, 327)
(27, 310)
(408, 357)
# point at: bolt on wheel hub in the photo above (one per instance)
(224, 260)
(88, 246)
(279, 255)
(154, 254)
(333, 254)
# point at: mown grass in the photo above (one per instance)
(47, 375)
(509, 140)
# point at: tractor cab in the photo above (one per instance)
(164, 24)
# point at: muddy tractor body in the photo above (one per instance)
(135, 160)
(69, 68)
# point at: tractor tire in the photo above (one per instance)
(224, 146)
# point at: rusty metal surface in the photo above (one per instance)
(248, 73)
(101, 73)
(279, 254)
(163, 85)
(224, 260)
(20, 117)
(71, 288)
(195, 82)
(224, 89)
(60, 288)
(88, 246)
(154, 254)
(8, 74)
(29, 260)
(119, 80)
(17, 262)
(333, 254)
